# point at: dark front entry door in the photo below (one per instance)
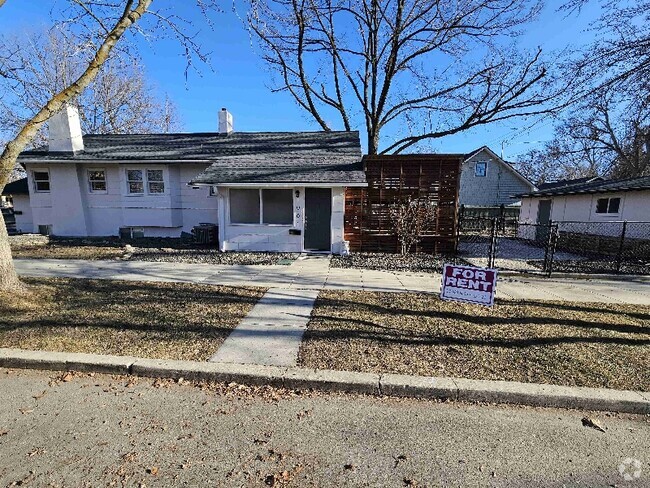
(318, 217)
(543, 218)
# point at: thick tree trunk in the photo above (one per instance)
(8, 277)
(9, 156)
(373, 142)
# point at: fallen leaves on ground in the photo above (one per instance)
(154, 320)
(593, 423)
(565, 343)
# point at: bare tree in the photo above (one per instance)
(119, 100)
(607, 135)
(430, 68)
(106, 23)
(607, 130)
(620, 53)
(412, 217)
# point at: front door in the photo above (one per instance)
(318, 217)
(543, 218)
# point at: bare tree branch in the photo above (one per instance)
(403, 62)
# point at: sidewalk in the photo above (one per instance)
(314, 273)
(272, 332)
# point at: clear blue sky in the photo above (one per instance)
(240, 81)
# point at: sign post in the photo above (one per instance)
(469, 284)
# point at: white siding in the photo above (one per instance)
(496, 188)
(251, 237)
(634, 206)
(73, 210)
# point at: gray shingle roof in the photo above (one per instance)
(239, 157)
(552, 185)
(627, 184)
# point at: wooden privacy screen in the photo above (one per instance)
(391, 178)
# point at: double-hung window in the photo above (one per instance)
(480, 169)
(608, 205)
(41, 180)
(97, 181)
(139, 180)
(155, 183)
(268, 207)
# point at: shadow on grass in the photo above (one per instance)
(176, 309)
(395, 336)
(486, 320)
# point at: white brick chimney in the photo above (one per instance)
(65, 131)
(225, 122)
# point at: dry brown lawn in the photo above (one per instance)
(53, 251)
(153, 320)
(575, 344)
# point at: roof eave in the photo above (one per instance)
(284, 184)
(584, 192)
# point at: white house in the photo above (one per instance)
(486, 180)
(591, 200)
(22, 211)
(270, 191)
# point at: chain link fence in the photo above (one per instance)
(506, 244)
(605, 247)
(570, 247)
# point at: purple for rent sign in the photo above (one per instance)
(469, 284)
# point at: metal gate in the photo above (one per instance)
(507, 244)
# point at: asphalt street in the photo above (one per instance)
(63, 429)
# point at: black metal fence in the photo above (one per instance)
(571, 247)
(507, 244)
(604, 247)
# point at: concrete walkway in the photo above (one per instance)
(313, 272)
(271, 333)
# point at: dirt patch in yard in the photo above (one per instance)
(415, 262)
(212, 256)
(153, 320)
(33, 246)
(160, 250)
(563, 343)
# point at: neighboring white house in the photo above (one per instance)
(271, 191)
(591, 200)
(486, 180)
(22, 211)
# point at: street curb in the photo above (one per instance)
(455, 389)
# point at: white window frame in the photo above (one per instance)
(145, 181)
(261, 198)
(212, 191)
(161, 181)
(476, 167)
(91, 181)
(607, 212)
(35, 181)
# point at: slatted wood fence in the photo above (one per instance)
(392, 178)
